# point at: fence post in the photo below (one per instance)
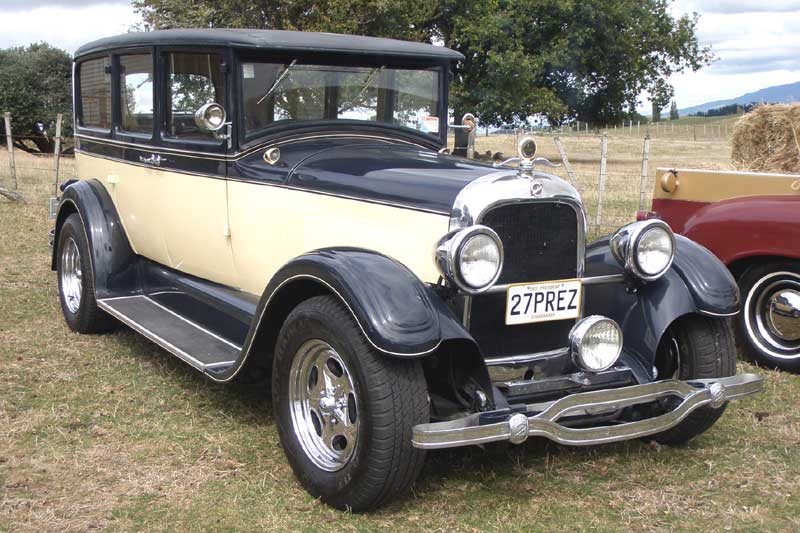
(10, 144)
(564, 160)
(57, 153)
(645, 161)
(602, 184)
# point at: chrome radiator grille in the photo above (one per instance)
(541, 241)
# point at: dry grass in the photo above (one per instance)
(767, 139)
(110, 432)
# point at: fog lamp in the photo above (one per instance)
(595, 343)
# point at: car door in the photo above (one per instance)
(193, 188)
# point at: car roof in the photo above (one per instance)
(279, 40)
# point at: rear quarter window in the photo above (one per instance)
(95, 93)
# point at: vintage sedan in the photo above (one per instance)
(279, 205)
(751, 222)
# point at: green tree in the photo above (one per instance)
(566, 59)
(673, 111)
(36, 85)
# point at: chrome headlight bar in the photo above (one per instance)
(471, 258)
(645, 249)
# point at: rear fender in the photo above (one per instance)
(112, 259)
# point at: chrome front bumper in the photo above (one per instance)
(542, 419)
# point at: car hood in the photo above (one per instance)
(388, 172)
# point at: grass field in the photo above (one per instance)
(111, 432)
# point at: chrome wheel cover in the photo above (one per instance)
(772, 316)
(323, 405)
(71, 276)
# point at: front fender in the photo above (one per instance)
(112, 259)
(398, 314)
(697, 282)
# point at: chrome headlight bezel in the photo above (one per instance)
(578, 335)
(448, 257)
(625, 247)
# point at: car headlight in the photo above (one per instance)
(645, 249)
(595, 343)
(472, 258)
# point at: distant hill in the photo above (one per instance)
(780, 94)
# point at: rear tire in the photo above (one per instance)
(370, 408)
(756, 331)
(76, 281)
(695, 347)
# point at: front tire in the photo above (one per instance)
(345, 412)
(695, 347)
(76, 281)
(768, 328)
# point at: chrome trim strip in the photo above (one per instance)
(525, 358)
(518, 427)
(267, 184)
(174, 350)
(594, 280)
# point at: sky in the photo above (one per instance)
(756, 42)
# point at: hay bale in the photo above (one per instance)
(767, 139)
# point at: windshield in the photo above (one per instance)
(292, 92)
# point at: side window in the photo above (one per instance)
(136, 93)
(95, 93)
(194, 80)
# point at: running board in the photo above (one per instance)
(186, 340)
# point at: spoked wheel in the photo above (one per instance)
(695, 347)
(345, 412)
(769, 326)
(76, 282)
(323, 405)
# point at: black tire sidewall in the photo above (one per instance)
(305, 324)
(73, 228)
(749, 347)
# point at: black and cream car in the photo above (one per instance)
(280, 206)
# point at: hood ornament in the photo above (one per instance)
(526, 148)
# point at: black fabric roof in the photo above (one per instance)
(274, 40)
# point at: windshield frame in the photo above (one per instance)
(283, 128)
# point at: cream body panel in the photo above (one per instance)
(135, 192)
(272, 225)
(178, 220)
(195, 227)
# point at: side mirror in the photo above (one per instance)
(210, 117)
(467, 123)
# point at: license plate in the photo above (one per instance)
(527, 303)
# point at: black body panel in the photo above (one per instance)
(275, 41)
(697, 282)
(540, 243)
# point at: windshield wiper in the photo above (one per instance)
(370, 78)
(283, 75)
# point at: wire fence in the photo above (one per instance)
(22, 163)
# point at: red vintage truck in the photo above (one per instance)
(751, 222)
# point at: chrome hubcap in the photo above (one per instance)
(784, 315)
(772, 314)
(323, 405)
(71, 276)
